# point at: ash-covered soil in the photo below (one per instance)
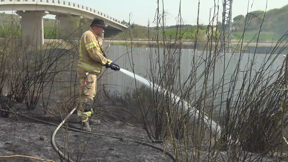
(22, 136)
(111, 141)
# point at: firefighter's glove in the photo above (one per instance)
(112, 66)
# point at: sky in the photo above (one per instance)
(143, 11)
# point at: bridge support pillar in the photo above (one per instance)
(32, 27)
(68, 26)
(84, 24)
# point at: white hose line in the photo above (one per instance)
(54, 134)
(216, 129)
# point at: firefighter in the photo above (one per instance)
(91, 60)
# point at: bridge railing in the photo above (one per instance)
(67, 3)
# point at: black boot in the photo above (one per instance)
(86, 126)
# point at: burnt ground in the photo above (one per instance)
(22, 136)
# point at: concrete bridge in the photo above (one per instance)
(67, 13)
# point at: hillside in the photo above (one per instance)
(274, 26)
(274, 20)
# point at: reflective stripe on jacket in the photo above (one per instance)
(91, 57)
(88, 67)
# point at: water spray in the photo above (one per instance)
(215, 128)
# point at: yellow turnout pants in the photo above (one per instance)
(87, 92)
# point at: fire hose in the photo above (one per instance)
(192, 111)
(54, 144)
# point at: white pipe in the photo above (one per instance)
(192, 110)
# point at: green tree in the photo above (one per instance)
(256, 13)
(238, 18)
(51, 33)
